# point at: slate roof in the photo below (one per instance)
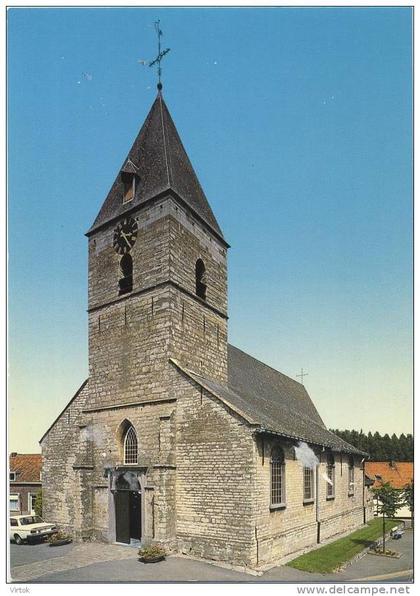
(271, 401)
(398, 474)
(27, 466)
(161, 163)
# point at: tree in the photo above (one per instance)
(38, 504)
(408, 499)
(389, 500)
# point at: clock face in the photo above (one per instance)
(125, 235)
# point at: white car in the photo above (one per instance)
(29, 528)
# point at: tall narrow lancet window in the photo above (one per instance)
(308, 485)
(130, 446)
(126, 272)
(200, 279)
(351, 476)
(278, 481)
(330, 476)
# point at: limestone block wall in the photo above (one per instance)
(189, 241)
(128, 349)
(344, 512)
(198, 337)
(215, 469)
(60, 452)
(281, 531)
(156, 456)
(150, 255)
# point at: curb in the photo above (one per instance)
(376, 542)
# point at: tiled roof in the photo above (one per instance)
(271, 401)
(161, 163)
(27, 466)
(398, 474)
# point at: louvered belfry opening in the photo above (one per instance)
(126, 268)
(200, 279)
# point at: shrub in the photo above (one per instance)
(150, 552)
(38, 504)
(58, 536)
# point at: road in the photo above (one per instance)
(96, 562)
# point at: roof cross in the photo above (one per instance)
(301, 375)
(161, 54)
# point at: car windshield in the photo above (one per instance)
(32, 519)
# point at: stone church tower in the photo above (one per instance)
(176, 436)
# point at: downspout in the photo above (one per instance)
(363, 491)
(318, 522)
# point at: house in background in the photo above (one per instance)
(397, 473)
(24, 481)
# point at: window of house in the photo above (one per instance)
(126, 270)
(130, 446)
(308, 485)
(330, 476)
(14, 503)
(200, 279)
(351, 476)
(278, 481)
(129, 186)
(31, 502)
(12, 476)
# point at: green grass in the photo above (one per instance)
(328, 558)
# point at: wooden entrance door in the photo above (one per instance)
(127, 515)
(135, 515)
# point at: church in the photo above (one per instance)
(178, 437)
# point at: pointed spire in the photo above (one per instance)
(160, 162)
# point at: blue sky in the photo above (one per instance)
(298, 122)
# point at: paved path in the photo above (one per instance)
(23, 554)
(81, 555)
(94, 562)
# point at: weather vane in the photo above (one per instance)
(161, 54)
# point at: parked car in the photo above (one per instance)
(29, 528)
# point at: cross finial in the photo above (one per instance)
(301, 375)
(161, 54)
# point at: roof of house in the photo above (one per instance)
(398, 473)
(271, 401)
(27, 466)
(161, 163)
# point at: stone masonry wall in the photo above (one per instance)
(215, 474)
(128, 349)
(156, 456)
(60, 452)
(286, 530)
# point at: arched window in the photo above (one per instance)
(330, 476)
(126, 271)
(308, 485)
(200, 279)
(130, 446)
(351, 476)
(278, 481)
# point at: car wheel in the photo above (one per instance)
(18, 539)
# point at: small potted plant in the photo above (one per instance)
(152, 554)
(59, 538)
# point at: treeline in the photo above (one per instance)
(380, 447)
